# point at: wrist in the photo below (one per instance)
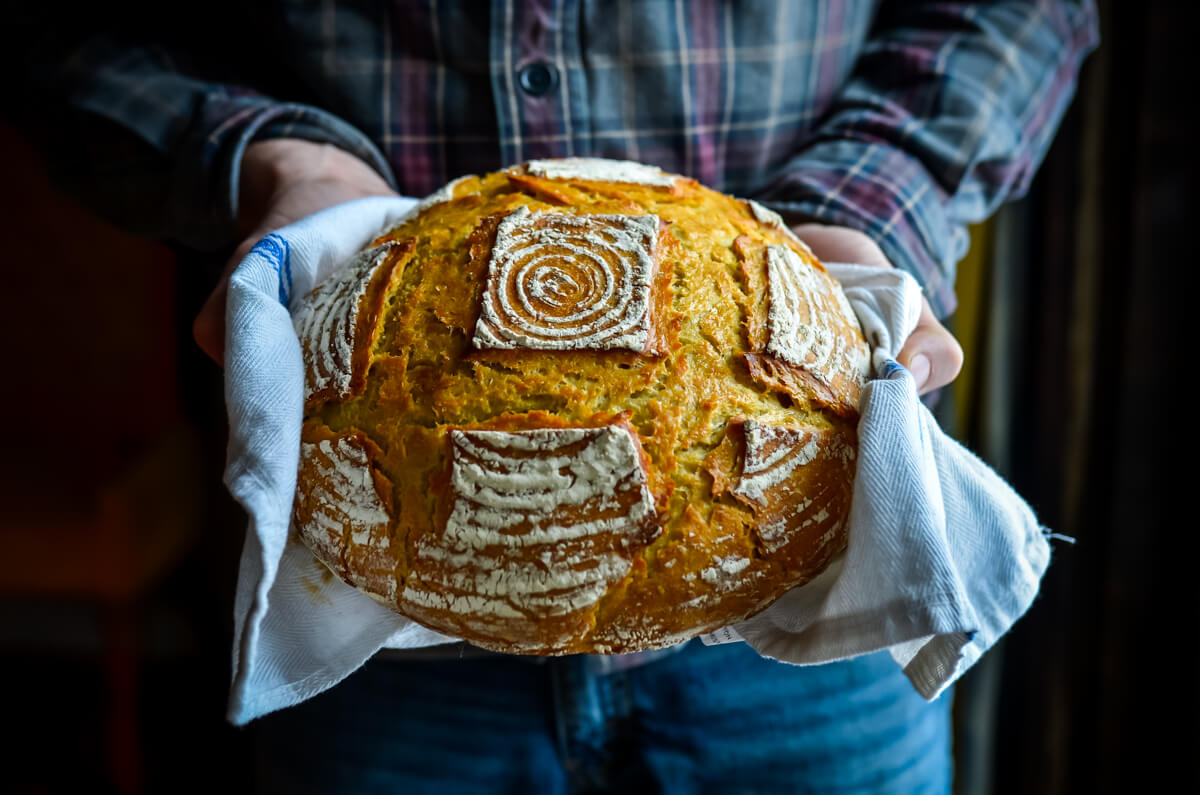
(273, 166)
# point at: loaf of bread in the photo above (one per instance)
(579, 406)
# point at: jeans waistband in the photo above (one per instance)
(596, 663)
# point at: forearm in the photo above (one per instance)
(281, 181)
(301, 176)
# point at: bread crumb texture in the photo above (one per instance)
(579, 406)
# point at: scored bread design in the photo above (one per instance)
(594, 169)
(338, 321)
(346, 512)
(563, 282)
(543, 522)
(579, 406)
(799, 333)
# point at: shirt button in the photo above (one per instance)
(538, 78)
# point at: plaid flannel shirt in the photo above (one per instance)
(908, 120)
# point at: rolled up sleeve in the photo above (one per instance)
(949, 113)
(158, 151)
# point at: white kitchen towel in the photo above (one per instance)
(943, 555)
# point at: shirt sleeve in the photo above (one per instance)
(950, 110)
(157, 151)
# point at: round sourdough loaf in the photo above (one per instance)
(577, 406)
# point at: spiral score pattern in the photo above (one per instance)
(558, 281)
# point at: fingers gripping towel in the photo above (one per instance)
(943, 556)
(296, 630)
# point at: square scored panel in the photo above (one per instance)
(565, 282)
(799, 298)
(542, 523)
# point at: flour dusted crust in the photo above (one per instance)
(594, 169)
(570, 282)
(579, 406)
(343, 513)
(541, 522)
(799, 331)
(338, 321)
(774, 220)
(805, 337)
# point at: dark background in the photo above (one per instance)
(1086, 412)
(120, 545)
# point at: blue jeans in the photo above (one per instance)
(715, 719)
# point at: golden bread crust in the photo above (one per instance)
(586, 409)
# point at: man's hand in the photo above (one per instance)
(282, 181)
(931, 353)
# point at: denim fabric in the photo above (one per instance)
(715, 719)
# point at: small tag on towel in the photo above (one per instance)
(722, 635)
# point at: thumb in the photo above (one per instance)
(931, 353)
(208, 327)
